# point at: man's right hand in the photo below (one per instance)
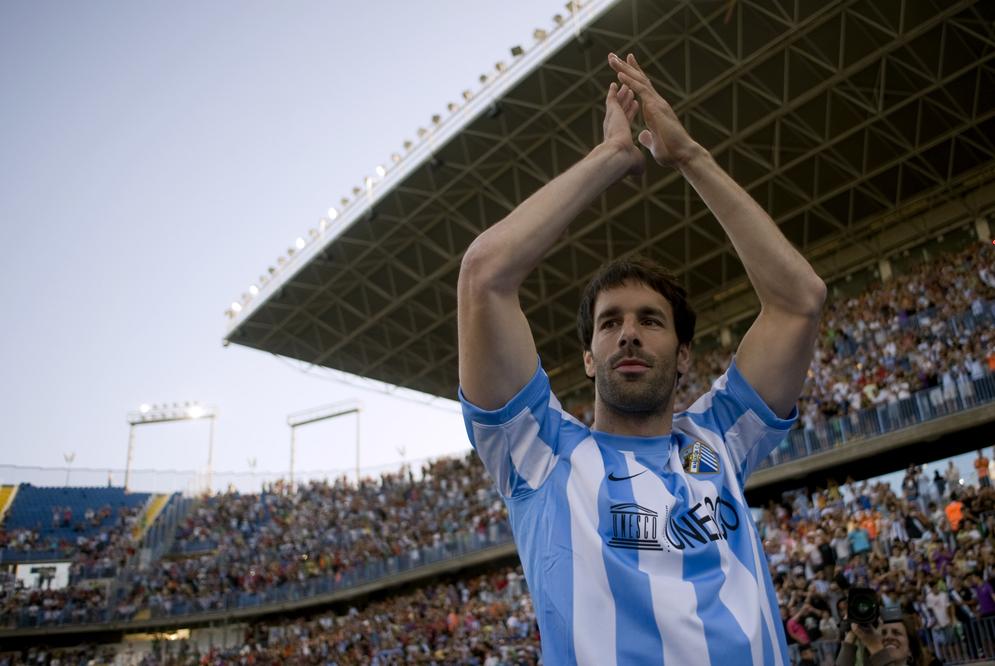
(621, 108)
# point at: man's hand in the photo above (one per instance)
(621, 108)
(665, 136)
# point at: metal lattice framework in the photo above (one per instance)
(862, 127)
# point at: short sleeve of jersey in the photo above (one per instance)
(736, 412)
(519, 443)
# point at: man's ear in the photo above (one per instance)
(589, 364)
(684, 359)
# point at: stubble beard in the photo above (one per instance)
(644, 394)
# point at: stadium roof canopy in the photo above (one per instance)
(862, 127)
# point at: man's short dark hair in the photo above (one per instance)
(637, 269)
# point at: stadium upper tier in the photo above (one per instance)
(863, 128)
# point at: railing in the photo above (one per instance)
(924, 405)
(159, 537)
(963, 643)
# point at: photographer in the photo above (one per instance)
(890, 642)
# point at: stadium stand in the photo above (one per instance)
(235, 548)
(891, 355)
(927, 550)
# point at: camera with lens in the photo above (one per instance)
(864, 607)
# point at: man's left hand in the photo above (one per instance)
(665, 136)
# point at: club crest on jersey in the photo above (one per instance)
(700, 458)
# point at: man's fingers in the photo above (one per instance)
(646, 138)
(612, 94)
(638, 86)
(625, 95)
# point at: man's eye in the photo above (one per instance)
(652, 322)
(608, 323)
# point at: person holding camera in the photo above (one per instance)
(872, 646)
(879, 636)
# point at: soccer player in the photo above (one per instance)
(635, 537)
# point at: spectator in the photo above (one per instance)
(981, 467)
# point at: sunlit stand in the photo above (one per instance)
(321, 414)
(188, 411)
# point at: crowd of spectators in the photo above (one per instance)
(926, 546)
(103, 542)
(235, 547)
(927, 550)
(479, 620)
(483, 620)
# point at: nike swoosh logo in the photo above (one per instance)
(612, 477)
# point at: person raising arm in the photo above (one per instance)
(497, 354)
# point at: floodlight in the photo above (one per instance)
(500, 66)
(483, 79)
(344, 201)
(332, 213)
(395, 158)
(356, 191)
(452, 107)
(422, 132)
(253, 289)
(516, 51)
(467, 95)
(408, 145)
(436, 119)
(368, 182)
(166, 413)
(300, 243)
(236, 306)
(539, 34)
(381, 171)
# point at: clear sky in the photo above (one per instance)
(155, 158)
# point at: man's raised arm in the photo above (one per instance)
(497, 355)
(775, 354)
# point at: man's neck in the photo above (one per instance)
(644, 424)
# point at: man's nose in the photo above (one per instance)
(629, 334)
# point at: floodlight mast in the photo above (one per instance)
(166, 413)
(315, 415)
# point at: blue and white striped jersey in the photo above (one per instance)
(639, 550)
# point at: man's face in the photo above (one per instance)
(635, 354)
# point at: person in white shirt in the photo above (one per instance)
(953, 476)
(938, 602)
